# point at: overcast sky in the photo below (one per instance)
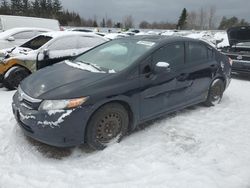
(155, 10)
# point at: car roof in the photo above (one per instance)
(160, 39)
(59, 34)
(21, 29)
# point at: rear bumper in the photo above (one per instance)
(241, 67)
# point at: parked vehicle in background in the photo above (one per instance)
(9, 22)
(239, 49)
(99, 96)
(18, 36)
(45, 49)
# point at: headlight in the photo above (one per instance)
(62, 104)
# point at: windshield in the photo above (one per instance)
(36, 42)
(115, 55)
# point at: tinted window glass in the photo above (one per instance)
(172, 54)
(196, 53)
(36, 42)
(25, 35)
(64, 44)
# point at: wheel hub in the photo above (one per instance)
(108, 127)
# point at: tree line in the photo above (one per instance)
(204, 18)
(40, 8)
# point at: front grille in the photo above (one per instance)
(30, 105)
(27, 101)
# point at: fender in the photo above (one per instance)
(132, 104)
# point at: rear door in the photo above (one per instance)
(201, 67)
(161, 92)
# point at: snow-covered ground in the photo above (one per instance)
(197, 147)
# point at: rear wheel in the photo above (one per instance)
(215, 92)
(14, 76)
(108, 124)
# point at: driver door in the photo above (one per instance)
(162, 91)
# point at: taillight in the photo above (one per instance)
(230, 61)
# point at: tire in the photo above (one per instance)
(14, 76)
(108, 124)
(215, 93)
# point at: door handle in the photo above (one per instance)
(182, 76)
(213, 66)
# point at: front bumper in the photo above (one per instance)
(1, 78)
(64, 128)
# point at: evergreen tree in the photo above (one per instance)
(5, 8)
(36, 11)
(95, 23)
(182, 20)
(16, 7)
(26, 8)
(57, 7)
(103, 23)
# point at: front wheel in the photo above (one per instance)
(109, 123)
(215, 93)
(14, 76)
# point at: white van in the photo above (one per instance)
(9, 22)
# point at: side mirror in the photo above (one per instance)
(46, 54)
(162, 67)
(10, 39)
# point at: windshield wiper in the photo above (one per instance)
(92, 65)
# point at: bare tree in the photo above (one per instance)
(202, 21)
(192, 20)
(109, 23)
(128, 22)
(211, 17)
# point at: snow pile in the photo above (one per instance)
(197, 147)
(83, 66)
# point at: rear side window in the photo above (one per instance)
(172, 54)
(25, 35)
(198, 53)
(64, 44)
(87, 42)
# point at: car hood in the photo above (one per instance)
(18, 52)
(238, 34)
(60, 81)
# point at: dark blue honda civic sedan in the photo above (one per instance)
(107, 91)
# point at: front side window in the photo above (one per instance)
(36, 42)
(116, 55)
(172, 54)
